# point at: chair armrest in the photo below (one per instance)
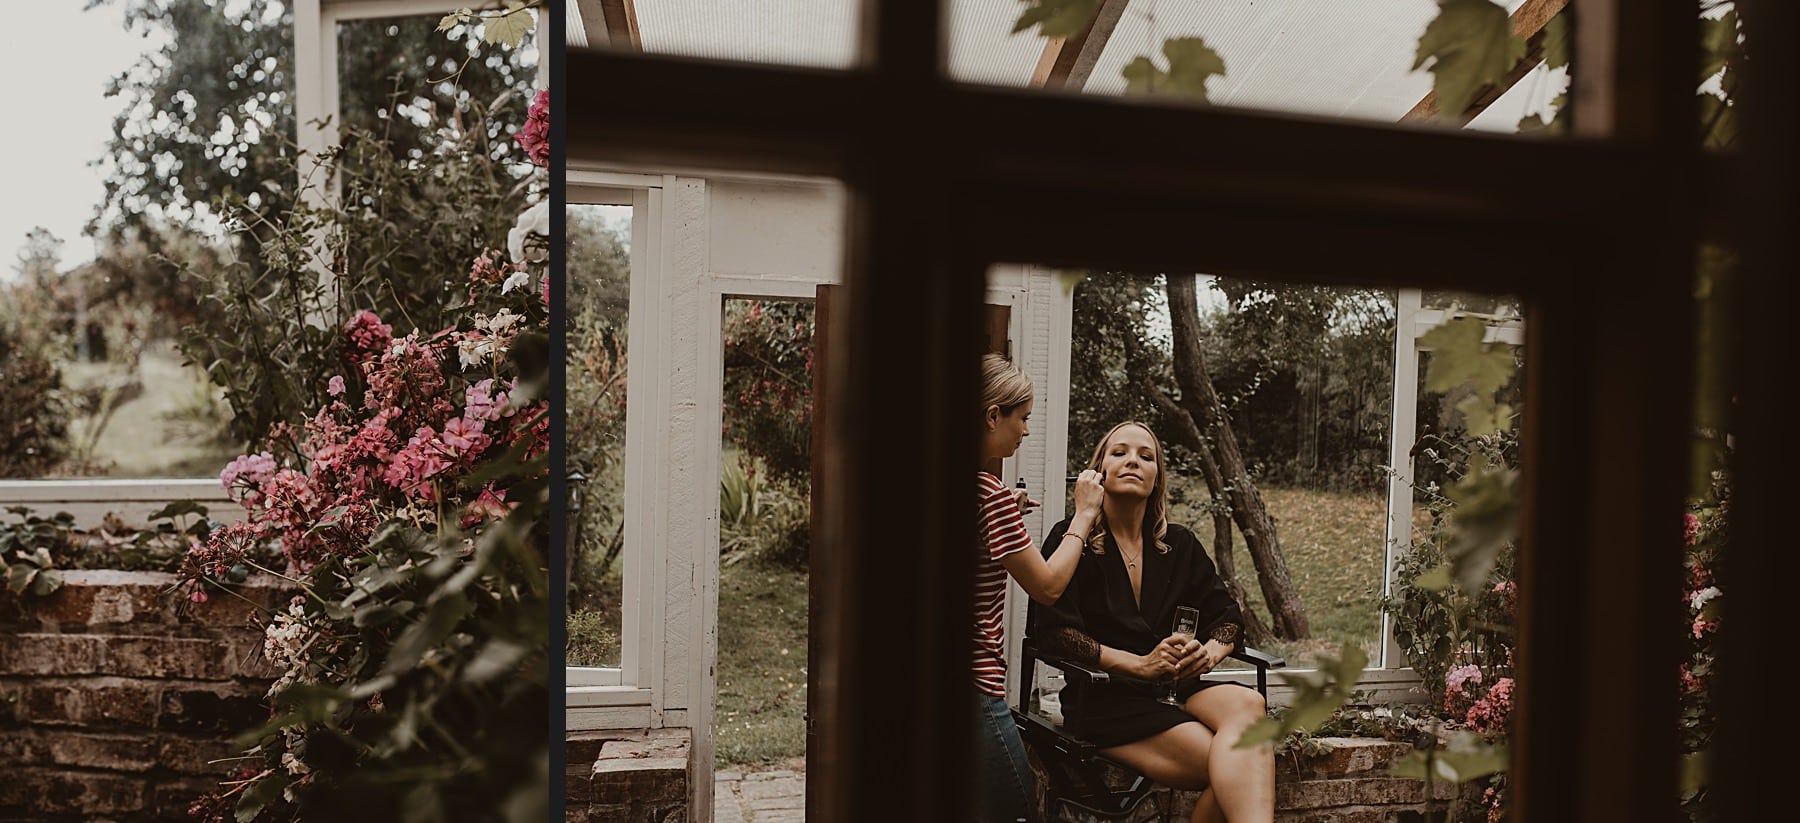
(1072, 669)
(1259, 659)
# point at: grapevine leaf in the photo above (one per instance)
(1142, 76)
(1556, 42)
(1191, 62)
(1057, 18)
(1459, 355)
(450, 20)
(507, 28)
(1483, 416)
(1718, 39)
(1469, 45)
(259, 795)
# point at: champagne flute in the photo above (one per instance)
(1187, 622)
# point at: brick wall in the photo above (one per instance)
(628, 776)
(1350, 784)
(114, 696)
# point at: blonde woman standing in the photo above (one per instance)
(1005, 550)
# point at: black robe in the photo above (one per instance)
(1098, 603)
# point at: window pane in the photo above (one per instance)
(1314, 57)
(818, 33)
(599, 291)
(765, 517)
(401, 78)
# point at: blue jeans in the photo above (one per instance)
(1004, 787)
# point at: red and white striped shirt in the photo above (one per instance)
(1002, 533)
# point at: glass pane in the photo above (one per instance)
(765, 517)
(818, 33)
(599, 291)
(401, 78)
(1313, 57)
(91, 319)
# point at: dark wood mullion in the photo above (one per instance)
(1751, 770)
(1606, 452)
(670, 112)
(900, 600)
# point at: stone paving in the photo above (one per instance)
(777, 796)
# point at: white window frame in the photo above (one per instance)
(628, 695)
(1412, 321)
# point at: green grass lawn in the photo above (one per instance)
(1333, 544)
(762, 666)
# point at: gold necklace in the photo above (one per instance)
(1132, 563)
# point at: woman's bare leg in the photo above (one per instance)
(1175, 758)
(1243, 779)
(1206, 809)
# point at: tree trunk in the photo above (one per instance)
(1256, 632)
(1201, 402)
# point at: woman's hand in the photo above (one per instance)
(1201, 658)
(1159, 664)
(1089, 493)
(1023, 498)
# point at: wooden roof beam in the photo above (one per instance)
(1067, 62)
(616, 20)
(1528, 23)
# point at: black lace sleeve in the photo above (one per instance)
(1228, 633)
(1072, 643)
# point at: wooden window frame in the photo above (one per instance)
(1604, 470)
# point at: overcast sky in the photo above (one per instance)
(54, 72)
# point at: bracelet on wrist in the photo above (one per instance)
(1076, 536)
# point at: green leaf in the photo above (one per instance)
(1696, 770)
(1191, 62)
(425, 634)
(1718, 42)
(497, 658)
(259, 795)
(1142, 76)
(1458, 355)
(1465, 757)
(1317, 694)
(1485, 520)
(47, 581)
(1469, 45)
(1435, 579)
(176, 509)
(1556, 42)
(450, 20)
(1483, 416)
(508, 28)
(1057, 18)
(20, 577)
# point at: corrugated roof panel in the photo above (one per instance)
(983, 48)
(789, 32)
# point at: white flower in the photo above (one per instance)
(502, 321)
(515, 280)
(535, 220)
(473, 350)
(1703, 595)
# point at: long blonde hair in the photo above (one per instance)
(1003, 384)
(1156, 509)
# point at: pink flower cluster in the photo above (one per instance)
(1491, 713)
(493, 268)
(407, 445)
(535, 137)
(1461, 684)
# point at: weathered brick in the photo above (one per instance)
(100, 598)
(88, 795)
(33, 653)
(195, 755)
(200, 710)
(93, 751)
(620, 782)
(170, 657)
(1314, 794)
(173, 796)
(1388, 790)
(97, 702)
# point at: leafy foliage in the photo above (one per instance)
(401, 231)
(768, 383)
(1317, 695)
(1191, 62)
(1056, 18)
(1468, 46)
(34, 431)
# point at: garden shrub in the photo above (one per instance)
(34, 430)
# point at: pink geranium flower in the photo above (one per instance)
(535, 137)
